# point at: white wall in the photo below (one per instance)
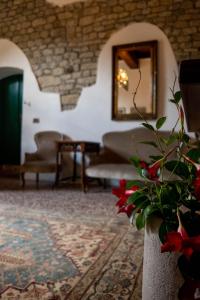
(92, 116)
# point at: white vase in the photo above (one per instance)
(161, 276)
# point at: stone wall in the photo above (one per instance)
(63, 43)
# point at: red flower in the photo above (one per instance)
(133, 189)
(196, 181)
(122, 193)
(121, 190)
(143, 164)
(151, 172)
(154, 170)
(196, 184)
(127, 209)
(193, 242)
(173, 242)
(180, 241)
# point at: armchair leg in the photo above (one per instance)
(37, 180)
(99, 181)
(23, 179)
(85, 184)
(104, 183)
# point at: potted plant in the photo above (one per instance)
(168, 207)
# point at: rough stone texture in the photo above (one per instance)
(63, 43)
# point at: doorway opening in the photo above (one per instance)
(11, 95)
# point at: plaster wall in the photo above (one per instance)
(92, 116)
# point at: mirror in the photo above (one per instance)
(134, 63)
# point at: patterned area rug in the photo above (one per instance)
(65, 244)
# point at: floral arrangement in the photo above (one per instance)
(175, 202)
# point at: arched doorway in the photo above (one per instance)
(11, 90)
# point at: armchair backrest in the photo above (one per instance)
(46, 143)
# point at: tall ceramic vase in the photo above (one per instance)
(161, 276)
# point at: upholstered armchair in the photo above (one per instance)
(44, 159)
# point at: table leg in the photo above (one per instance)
(57, 169)
(74, 165)
(83, 177)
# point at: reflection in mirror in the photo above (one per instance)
(129, 63)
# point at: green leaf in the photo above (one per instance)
(172, 100)
(151, 143)
(148, 126)
(194, 154)
(169, 211)
(140, 222)
(137, 198)
(177, 97)
(164, 194)
(166, 227)
(135, 160)
(139, 208)
(151, 210)
(177, 167)
(186, 138)
(178, 187)
(172, 138)
(162, 232)
(144, 204)
(156, 157)
(169, 195)
(138, 183)
(160, 122)
(164, 140)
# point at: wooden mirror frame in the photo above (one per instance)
(151, 47)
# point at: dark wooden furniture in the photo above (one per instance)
(82, 147)
(20, 171)
(36, 168)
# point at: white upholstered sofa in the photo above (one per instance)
(118, 147)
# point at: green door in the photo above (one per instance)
(10, 119)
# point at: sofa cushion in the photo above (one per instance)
(122, 171)
(113, 171)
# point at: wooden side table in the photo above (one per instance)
(82, 147)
